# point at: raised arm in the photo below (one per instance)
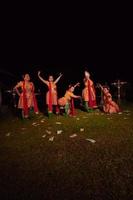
(44, 81)
(56, 81)
(77, 84)
(100, 86)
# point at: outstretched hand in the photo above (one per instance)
(98, 85)
(39, 72)
(78, 84)
(60, 74)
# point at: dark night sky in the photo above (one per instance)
(67, 42)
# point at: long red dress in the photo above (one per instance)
(88, 93)
(27, 97)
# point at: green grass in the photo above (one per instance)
(32, 167)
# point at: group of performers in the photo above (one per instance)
(27, 98)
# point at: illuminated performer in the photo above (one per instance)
(51, 95)
(88, 93)
(68, 100)
(27, 99)
(109, 106)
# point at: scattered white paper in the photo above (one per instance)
(72, 136)
(42, 121)
(59, 132)
(91, 140)
(8, 134)
(49, 132)
(108, 118)
(119, 113)
(58, 122)
(37, 125)
(44, 136)
(51, 139)
(34, 123)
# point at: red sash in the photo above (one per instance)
(72, 107)
(91, 102)
(50, 97)
(25, 105)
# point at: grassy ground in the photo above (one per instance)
(70, 166)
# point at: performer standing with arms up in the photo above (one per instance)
(27, 99)
(88, 93)
(51, 96)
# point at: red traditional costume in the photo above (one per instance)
(27, 97)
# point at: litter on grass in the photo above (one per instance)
(8, 134)
(73, 135)
(58, 123)
(59, 132)
(48, 132)
(91, 140)
(51, 139)
(82, 129)
(44, 136)
(42, 121)
(34, 123)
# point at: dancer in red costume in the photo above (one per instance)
(109, 106)
(27, 99)
(88, 93)
(68, 100)
(51, 96)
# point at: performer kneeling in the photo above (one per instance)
(109, 106)
(27, 99)
(67, 102)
